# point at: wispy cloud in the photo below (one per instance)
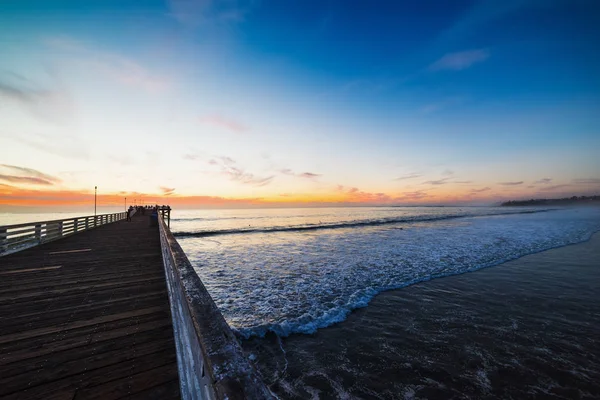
(442, 181)
(587, 181)
(12, 197)
(447, 172)
(460, 60)
(463, 182)
(442, 105)
(482, 13)
(166, 190)
(63, 145)
(408, 176)
(230, 168)
(510, 183)
(191, 157)
(485, 189)
(307, 175)
(543, 181)
(223, 123)
(554, 187)
(355, 195)
(48, 104)
(15, 174)
(113, 65)
(193, 13)
(416, 195)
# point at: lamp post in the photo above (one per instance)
(95, 195)
(125, 203)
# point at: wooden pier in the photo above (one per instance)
(88, 317)
(100, 307)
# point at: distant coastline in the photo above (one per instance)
(581, 200)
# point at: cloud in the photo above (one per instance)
(543, 181)
(463, 182)
(355, 195)
(441, 105)
(485, 189)
(510, 183)
(15, 174)
(15, 197)
(447, 172)
(307, 175)
(408, 176)
(442, 181)
(193, 13)
(482, 13)
(24, 179)
(416, 195)
(113, 65)
(63, 145)
(230, 168)
(460, 60)
(48, 104)
(223, 123)
(587, 181)
(554, 187)
(167, 191)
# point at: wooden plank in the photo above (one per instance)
(76, 324)
(20, 271)
(168, 390)
(150, 368)
(63, 318)
(87, 316)
(56, 342)
(120, 352)
(69, 251)
(129, 385)
(30, 295)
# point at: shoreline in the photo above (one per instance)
(524, 328)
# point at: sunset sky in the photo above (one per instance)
(237, 103)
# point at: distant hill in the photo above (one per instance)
(555, 202)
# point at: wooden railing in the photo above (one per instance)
(21, 236)
(211, 363)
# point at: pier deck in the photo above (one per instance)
(88, 317)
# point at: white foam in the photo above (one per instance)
(302, 281)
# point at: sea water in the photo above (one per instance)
(298, 270)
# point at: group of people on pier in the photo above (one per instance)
(142, 209)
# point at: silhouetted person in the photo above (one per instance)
(129, 213)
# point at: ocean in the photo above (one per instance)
(298, 270)
(300, 288)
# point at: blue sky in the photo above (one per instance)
(296, 102)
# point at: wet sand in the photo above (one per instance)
(528, 328)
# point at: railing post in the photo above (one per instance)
(38, 232)
(60, 228)
(75, 229)
(3, 240)
(87, 220)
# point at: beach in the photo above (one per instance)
(527, 328)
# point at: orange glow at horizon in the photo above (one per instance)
(12, 196)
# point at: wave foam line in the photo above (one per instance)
(351, 224)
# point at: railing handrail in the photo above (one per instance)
(210, 359)
(19, 237)
(54, 221)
